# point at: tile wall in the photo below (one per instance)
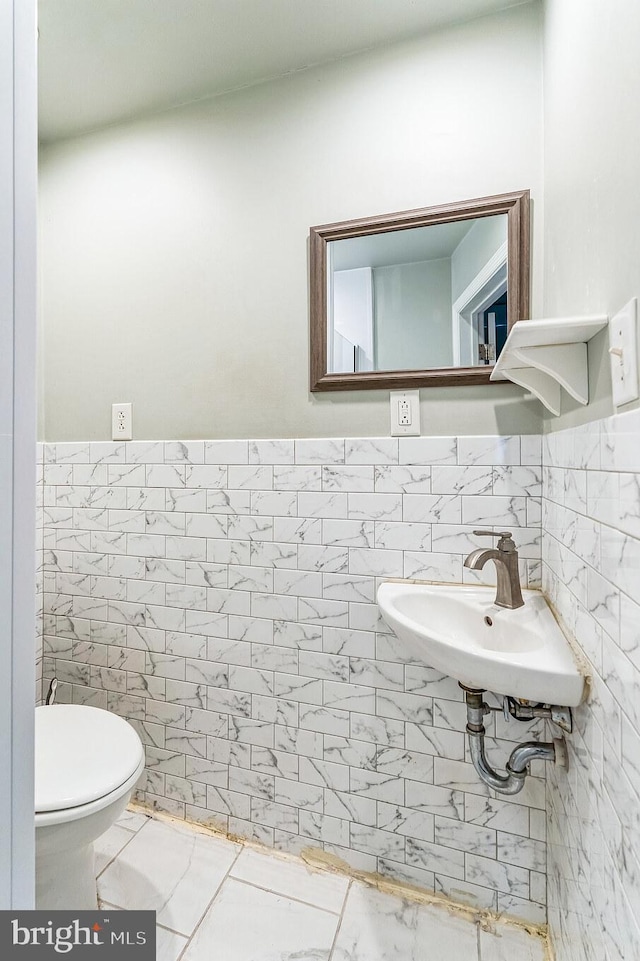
(221, 596)
(591, 565)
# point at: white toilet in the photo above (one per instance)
(87, 763)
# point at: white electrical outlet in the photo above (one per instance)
(623, 351)
(122, 421)
(405, 412)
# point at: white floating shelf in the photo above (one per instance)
(545, 355)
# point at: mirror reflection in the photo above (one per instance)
(427, 297)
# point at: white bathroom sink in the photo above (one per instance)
(461, 632)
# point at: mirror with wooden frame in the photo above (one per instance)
(421, 298)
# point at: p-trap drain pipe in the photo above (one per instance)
(517, 766)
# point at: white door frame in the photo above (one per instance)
(493, 267)
(18, 179)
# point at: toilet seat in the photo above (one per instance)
(83, 756)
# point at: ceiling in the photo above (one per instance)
(409, 246)
(105, 61)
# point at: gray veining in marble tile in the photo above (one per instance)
(376, 929)
(169, 870)
(280, 929)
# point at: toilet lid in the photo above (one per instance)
(81, 754)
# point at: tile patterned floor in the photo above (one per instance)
(218, 901)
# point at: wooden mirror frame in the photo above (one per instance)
(514, 205)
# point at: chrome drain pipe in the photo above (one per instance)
(517, 766)
(51, 696)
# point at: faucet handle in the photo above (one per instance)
(505, 543)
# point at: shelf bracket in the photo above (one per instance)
(566, 363)
(544, 387)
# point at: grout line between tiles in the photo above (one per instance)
(280, 894)
(180, 934)
(138, 829)
(478, 943)
(591, 566)
(119, 852)
(340, 920)
(184, 949)
(108, 904)
(208, 907)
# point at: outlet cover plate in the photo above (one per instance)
(405, 400)
(623, 353)
(122, 421)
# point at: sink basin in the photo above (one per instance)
(461, 632)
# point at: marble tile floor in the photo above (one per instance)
(217, 900)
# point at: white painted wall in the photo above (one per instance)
(18, 151)
(413, 315)
(174, 249)
(475, 250)
(591, 160)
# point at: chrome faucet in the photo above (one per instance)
(505, 557)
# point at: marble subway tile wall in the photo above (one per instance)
(591, 562)
(221, 596)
